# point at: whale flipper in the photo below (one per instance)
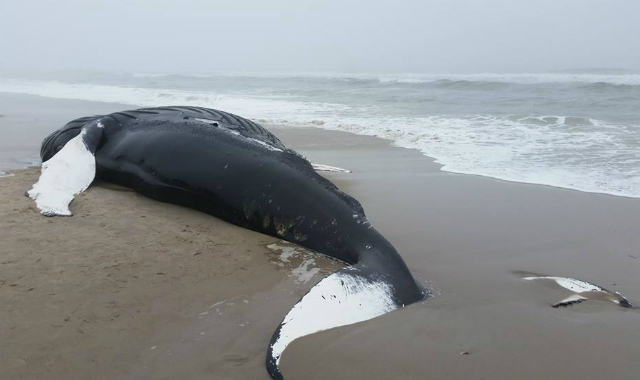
(69, 172)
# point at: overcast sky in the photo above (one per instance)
(429, 36)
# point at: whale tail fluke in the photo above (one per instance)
(351, 295)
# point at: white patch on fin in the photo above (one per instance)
(67, 173)
(574, 298)
(572, 284)
(327, 168)
(338, 300)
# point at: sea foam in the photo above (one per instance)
(579, 153)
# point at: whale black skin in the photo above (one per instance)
(219, 168)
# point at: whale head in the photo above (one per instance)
(53, 143)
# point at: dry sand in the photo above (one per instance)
(126, 288)
(131, 289)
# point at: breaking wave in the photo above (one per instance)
(573, 152)
(545, 78)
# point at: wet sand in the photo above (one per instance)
(130, 288)
(26, 119)
(464, 236)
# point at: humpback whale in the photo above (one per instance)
(234, 169)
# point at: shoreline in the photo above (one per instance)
(405, 141)
(92, 295)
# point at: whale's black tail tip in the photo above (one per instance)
(622, 301)
(272, 366)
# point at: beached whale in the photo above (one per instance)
(233, 168)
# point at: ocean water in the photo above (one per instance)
(575, 131)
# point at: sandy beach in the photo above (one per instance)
(129, 288)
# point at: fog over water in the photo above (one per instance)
(434, 36)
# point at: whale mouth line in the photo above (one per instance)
(46, 144)
(49, 141)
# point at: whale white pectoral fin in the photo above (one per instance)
(572, 299)
(340, 299)
(327, 168)
(67, 173)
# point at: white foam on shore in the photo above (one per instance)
(304, 272)
(574, 153)
(533, 78)
(286, 252)
(252, 107)
(568, 152)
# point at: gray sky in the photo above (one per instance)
(433, 36)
